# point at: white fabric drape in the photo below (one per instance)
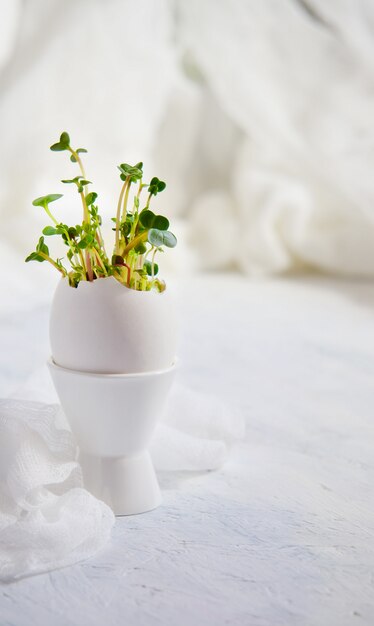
(264, 108)
(47, 519)
(297, 80)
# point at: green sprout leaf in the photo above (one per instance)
(148, 268)
(141, 248)
(155, 186)
(65, 139)
(160, 238)
(72, 180)
(85, 242)
(73, 232)
(81, 184)
(161, 222)
(126, 226)
(42, 247)
(170, 240)
(61, 145)
(49, 231)
(34, 256)
(57, 147)
(45, 200)
(79, 181)
(91, 198)
(147, 218)
(134, 171)
(155, 237)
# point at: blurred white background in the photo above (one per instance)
(259, 115)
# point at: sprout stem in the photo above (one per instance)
(100, 260)
(153, 263)
(135, 242)
(140, 188)
(89, 266)
(128, 274)
(83, 263)
(48, 258)
(86, 215)
(66, 231)
(78, 159)
(125, 200)
(117, 248)
(47, 210)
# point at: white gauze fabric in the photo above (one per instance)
(47, 519)
(298, 83)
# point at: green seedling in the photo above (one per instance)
(139, 233)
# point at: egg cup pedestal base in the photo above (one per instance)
(113, 417)
(128, 484)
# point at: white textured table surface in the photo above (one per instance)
(284, 533)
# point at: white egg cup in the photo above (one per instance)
(113, 417)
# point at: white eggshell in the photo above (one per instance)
(106, 328)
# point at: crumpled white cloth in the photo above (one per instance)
(47, 519)
(299, 191)
(275, 156)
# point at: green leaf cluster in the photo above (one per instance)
(155, 186)
(140, 234)
(63, 144)
(79, 181)
(134, 172)
(149, 220)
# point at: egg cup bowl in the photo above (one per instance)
(113, 417)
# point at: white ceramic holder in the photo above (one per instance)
(113, 417)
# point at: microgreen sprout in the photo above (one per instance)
(139, 233)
